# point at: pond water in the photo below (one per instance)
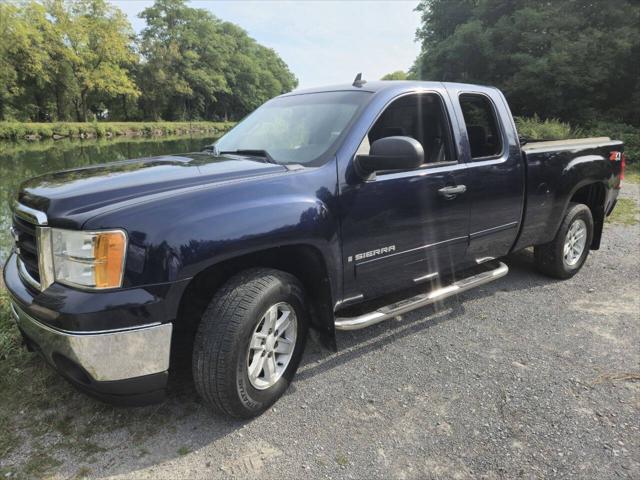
(19, 161)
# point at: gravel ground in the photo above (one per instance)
(525, 377)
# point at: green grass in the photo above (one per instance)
(182, 451)
(40, 463)
(632, 173)
(83, 472)
(9, 438)
(16, 131)
(89, 448)
(625, 212)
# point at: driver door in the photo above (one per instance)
(401, 228)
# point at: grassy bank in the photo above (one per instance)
(53, 148)
(15, 131)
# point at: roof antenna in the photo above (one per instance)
(358, 82)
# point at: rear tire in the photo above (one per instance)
(564, 256)
(234, 334)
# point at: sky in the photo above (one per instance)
(323, 42)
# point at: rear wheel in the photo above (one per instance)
(250, 342)
(564, 256)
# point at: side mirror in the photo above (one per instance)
(390, 153)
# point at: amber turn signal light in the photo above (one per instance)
(109, 252)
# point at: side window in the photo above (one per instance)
(419, 116)
(482, 126)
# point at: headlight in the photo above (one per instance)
(88, 259)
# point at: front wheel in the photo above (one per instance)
(564, 256)
(250, 342)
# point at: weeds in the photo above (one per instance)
(83, 472)
(341, 459)
(39, 463)
(182, 451)
(617, 377)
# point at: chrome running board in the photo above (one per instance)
(421, 300)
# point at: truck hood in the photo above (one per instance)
(77, 192)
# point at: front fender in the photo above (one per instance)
(174, 237)
(252, 226)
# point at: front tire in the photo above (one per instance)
(250, 341)
(564, 256)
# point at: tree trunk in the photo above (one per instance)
(76, 105)
(40, 116)
(59, 106)
(83, 104)
(124, 108)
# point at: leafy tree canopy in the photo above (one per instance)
(64, 59)
(572, 59)
(397, 75)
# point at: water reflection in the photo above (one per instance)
(20, 161)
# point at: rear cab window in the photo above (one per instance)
(483, 131)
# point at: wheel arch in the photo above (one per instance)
(593, 195)
(305, 262)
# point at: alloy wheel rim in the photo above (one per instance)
(271, 346)
(575, 242)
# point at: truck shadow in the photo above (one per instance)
(352, 345)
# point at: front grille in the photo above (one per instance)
(24, 234)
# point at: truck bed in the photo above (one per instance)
(556, 172)
(533, 146)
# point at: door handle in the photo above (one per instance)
(452, 192)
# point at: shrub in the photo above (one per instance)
(534, 128)
(629, 134)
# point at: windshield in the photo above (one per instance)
(295, 129)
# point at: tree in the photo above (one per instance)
(99, 41)
(397, 75)
(66, 58)
(197, 66)
(181, 47)
(572, 59)
(9, 47)
(24, 60)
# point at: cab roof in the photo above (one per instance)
(381, 85)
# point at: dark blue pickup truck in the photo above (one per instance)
(331, 209)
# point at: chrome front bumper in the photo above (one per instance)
(104, 356)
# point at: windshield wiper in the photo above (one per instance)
(252, 153)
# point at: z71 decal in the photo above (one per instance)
(372, 253)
